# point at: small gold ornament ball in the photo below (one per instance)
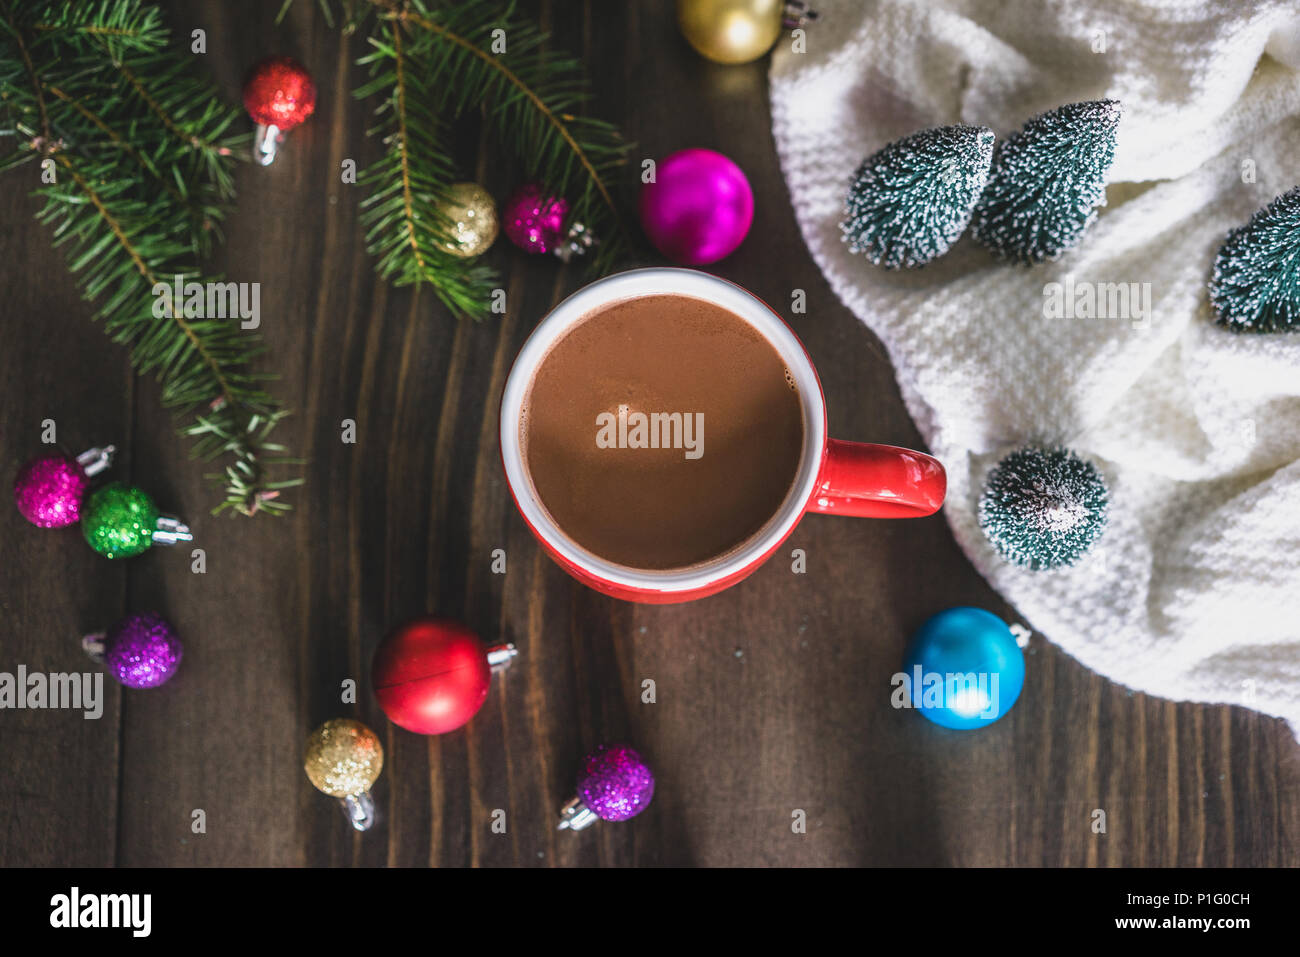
(473, 218)
(343, 758)
(730, 31)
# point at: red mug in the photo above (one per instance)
(833, 478)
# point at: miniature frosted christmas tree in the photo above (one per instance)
(1256, 281)
(1047, 182)
(912, 200)
(1043, 508)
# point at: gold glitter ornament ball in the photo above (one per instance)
(473, 218)
(343, 758)
(730, 31)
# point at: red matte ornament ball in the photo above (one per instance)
(279, 92)
(430, 675)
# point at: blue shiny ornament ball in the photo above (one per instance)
(971, 669)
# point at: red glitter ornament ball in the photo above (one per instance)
(430, 675)
(279, 92)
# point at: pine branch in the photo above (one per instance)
(405, 225)
(130, 26)
(534, 101)
(433, 63)
(143, 157)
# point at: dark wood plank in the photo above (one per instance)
(59, 789)
(771, 697)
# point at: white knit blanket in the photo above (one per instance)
(1193, 592)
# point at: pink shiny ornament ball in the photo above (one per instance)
(699, 207)
(534, 221)
(48, 491)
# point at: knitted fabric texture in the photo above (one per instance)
(1193, 591)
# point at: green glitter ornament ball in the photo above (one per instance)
(1256, 281)
(119, 520)
(1043, 508)
(1047, 182)
(912, 200)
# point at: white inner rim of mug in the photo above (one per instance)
(663, 282)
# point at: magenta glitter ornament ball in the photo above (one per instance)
(534, 221)
(48, 491)
(699, 207)
(142, 651)
(615, 782)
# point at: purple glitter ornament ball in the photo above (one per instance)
(48, 491)
(615, 782)
(142, 651)
(534, 221)
(699, 207)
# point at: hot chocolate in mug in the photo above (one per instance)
(831, 477)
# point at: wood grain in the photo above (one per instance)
(771, 697)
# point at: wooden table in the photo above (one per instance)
(771, 697)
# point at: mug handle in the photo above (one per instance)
(878, 481)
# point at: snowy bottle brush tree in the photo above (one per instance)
(1256, 282)
(1043, 508)
(1047, 181)
(910, 201)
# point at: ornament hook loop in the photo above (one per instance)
(576, 816)
(797, 14)
(360, 809)
(266, 143)
(96, 460)
(169, 531)
(576, 243)
(500, 657)
(93, 645)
